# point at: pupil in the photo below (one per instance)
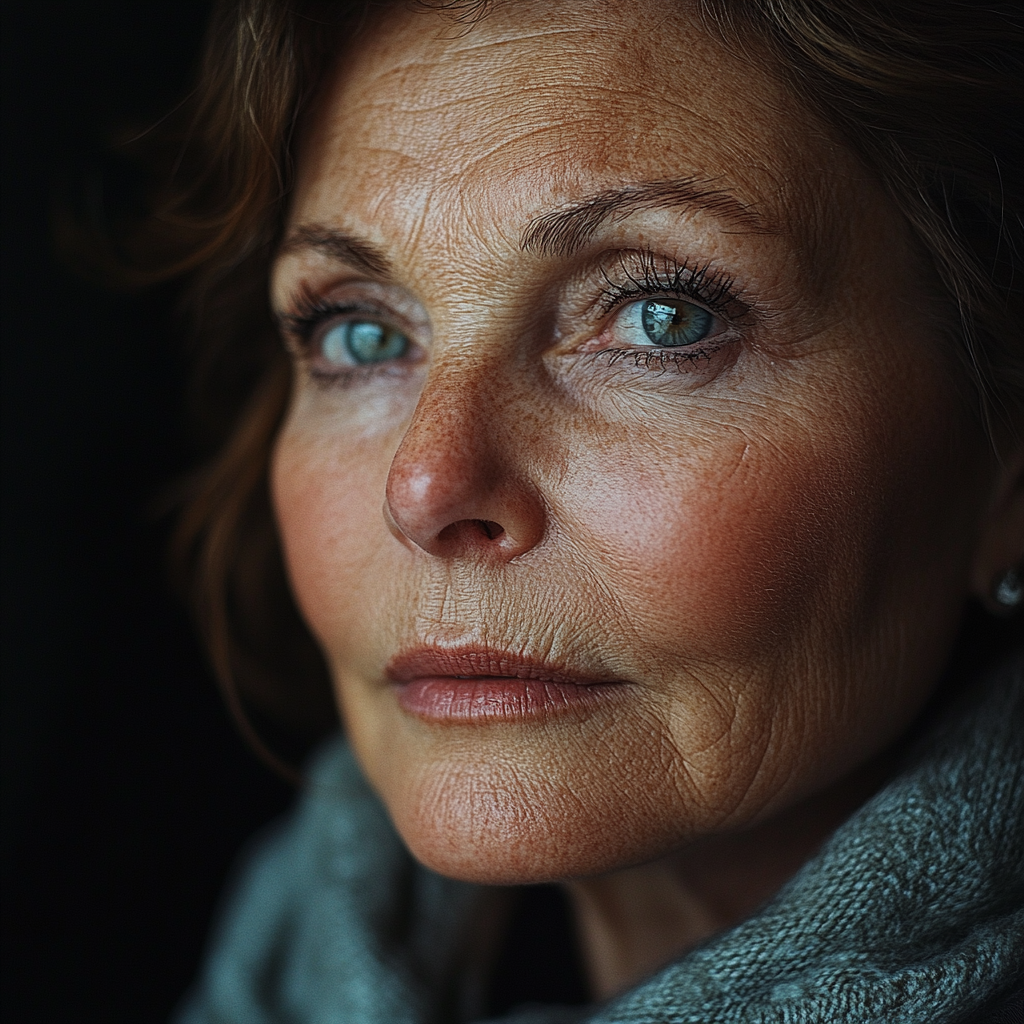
(365, 340)
(675, 323)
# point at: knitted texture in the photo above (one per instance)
(912, 913)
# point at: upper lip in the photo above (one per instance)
(483, 662)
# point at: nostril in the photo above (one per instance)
(491, 529)
(465, 529)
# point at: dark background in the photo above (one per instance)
(126, 792)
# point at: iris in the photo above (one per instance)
(673, 322)
(362, 342)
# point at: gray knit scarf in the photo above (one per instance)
(912, 913)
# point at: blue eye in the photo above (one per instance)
(362, 342)
(672, 323)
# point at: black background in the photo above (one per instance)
(126, 792)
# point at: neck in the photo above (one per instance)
(632, 921)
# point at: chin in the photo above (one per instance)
(504, 821)
(500, 841)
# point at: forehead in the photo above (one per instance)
(534, 106)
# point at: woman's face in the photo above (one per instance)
(625, 483)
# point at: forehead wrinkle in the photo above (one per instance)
(541, 101)
(449, 71)
(448, 89)
(516, 37)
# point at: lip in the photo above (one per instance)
(476, 684)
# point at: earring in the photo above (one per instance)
(1008, 591)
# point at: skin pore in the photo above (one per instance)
(757, 540)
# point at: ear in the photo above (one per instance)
(1001, 539)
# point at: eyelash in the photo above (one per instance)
(659, 275)
(309, 312)
(651, 275)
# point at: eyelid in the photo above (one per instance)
(310, 316)
(307, 320)
(644, 273)
(394, 306)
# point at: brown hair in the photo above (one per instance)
(928, 93)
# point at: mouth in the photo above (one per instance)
(479, 685)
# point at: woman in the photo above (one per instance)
(650, 418)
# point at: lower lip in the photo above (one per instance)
(498, 698)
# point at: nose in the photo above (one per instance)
(456, 487)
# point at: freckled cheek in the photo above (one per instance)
(327, 502)
(722, 565)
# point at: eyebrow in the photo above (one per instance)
(559, 233)
(565, 232)
(338, 246)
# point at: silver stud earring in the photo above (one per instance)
(1008, 591)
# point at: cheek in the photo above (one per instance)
(772, 534)
(721, 549)
(327, 502)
